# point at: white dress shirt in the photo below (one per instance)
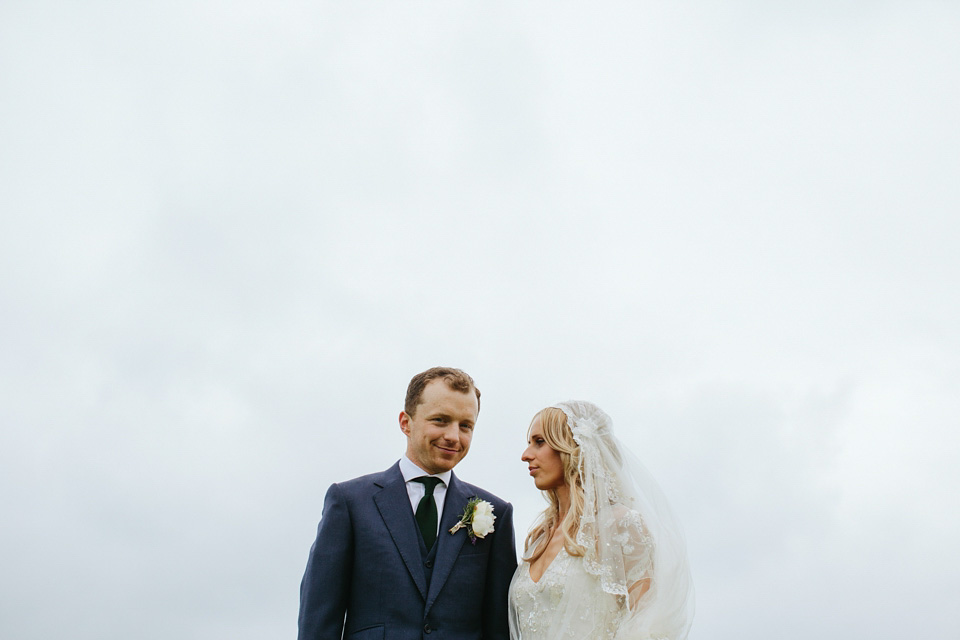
(416, 490)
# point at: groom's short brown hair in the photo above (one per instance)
(456, 380)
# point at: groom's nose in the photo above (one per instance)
(452, 433)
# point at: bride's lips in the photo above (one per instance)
(532, 470)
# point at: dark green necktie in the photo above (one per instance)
(427, 510)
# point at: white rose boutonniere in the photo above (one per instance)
(477, 518)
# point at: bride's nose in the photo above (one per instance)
(525, 456)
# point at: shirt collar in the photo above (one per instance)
(411, 471)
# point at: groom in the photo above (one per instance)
(385, 565)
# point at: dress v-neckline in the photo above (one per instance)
(552, 562)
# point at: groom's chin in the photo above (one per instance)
(446, 465)
(448, 458)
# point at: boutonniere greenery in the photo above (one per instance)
(477, 518)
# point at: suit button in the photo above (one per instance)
(427, 628)
(429, 563)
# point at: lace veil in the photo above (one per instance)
(630, 538)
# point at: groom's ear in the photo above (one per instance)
(405, 423)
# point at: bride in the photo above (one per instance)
(605, 560)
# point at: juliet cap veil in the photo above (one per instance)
(628, 532)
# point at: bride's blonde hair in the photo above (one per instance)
(559, 437)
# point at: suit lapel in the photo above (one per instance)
(448, 546)
(394, 506)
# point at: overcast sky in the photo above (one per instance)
(232, 231)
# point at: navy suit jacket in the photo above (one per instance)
(366, 579)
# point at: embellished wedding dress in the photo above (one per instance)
(538, 604)
(629, 538)
(568, 602)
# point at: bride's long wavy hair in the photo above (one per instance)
(557, 434)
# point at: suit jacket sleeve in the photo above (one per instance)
(503, 564)
(325, 588)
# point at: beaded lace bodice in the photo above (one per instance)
(536, 603)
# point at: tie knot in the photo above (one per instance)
(429, 484)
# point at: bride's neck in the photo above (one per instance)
(563, 502)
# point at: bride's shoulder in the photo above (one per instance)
(623, 513)
(624, 518)
(631, 533)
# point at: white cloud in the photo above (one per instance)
(232, 232)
